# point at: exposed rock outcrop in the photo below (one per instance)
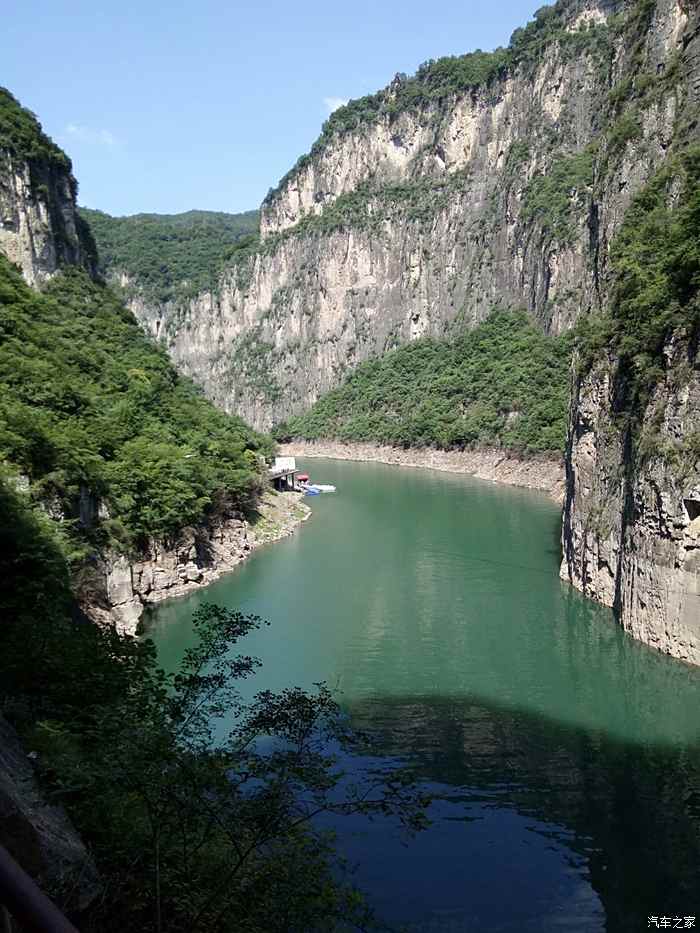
(421, 218)
(39, 836)
(40, 228)
(631, 531)
(117, 588)
(411, 219)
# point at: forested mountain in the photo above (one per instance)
(460, 257)
(106, 452)
(97, 420)
(504, 384)
(486, 180)
(557, 176)
(168, 256)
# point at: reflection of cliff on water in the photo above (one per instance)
(569, 752)
(631, 811)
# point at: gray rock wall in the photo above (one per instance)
(41, 837)
(40, 228)
(118, 588)
(415, 223)
(631, 529)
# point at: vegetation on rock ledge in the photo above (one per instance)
(21, 135)
(655, 262)
(438, 80)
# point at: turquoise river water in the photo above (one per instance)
(567, 755)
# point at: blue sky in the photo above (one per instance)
(170, 106)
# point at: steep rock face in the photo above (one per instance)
(39, 836)
(40, 229)
(118, 589)
(631, 532)
(423, 218)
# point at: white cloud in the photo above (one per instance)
(87, 135)
(332, 103)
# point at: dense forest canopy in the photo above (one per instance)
(87, 402)
(504, 384)
(169, 256)
(21, 135)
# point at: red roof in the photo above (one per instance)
(303, 477)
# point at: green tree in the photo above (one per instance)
(198, 807)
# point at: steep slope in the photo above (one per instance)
(98, 421)
(147, 481)
(504, 384)
(631, 530)
(163, 258)
(490, 179)
(99, 430)
(40, 228)
(499, 180)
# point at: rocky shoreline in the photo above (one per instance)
(540, 473)
(117, 589)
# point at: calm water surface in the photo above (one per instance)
(567, 754)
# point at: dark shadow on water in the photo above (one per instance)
(625, 816)
(565, 755)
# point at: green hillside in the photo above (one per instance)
(169, 256)
(504, 383)
(21, 134)
(88, 403)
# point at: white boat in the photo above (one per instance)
(321, 487)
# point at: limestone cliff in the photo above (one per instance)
(116, 589)
(421, 208)
(40, 228)
(631, 531)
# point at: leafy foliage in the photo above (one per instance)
(89, 406)
(504, 383)
(655, 262)
(190, 832)
(252, 362)
(21, 134)
(170, 256)
(552, 198)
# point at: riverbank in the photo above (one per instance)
(118, 589)
(541, 473)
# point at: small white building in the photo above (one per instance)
(283, 464)
(283, 473)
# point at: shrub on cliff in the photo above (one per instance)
(655, 264)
